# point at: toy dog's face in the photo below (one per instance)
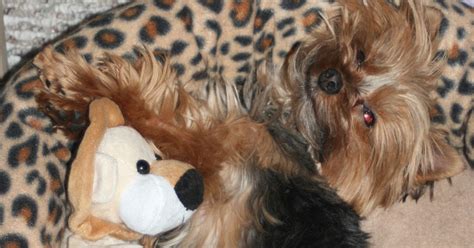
(361, 94)
(134, 186)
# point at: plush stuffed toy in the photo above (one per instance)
(118, 187)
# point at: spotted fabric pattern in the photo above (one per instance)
(455, 92)
(206, 39)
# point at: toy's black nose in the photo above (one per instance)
(330, 81)
(190, 189)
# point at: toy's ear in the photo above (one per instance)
(103, 114)
(106, 113)
(105, 178)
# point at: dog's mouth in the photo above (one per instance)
(323, 143)
(292, 144)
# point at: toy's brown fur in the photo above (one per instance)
(180, 126)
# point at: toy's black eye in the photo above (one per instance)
(369, 117)
(158, 157)
(143, 167)
(360, 57)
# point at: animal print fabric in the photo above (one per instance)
(206, 39)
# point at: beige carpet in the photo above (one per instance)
(446, 221)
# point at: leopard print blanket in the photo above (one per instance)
(206, 39)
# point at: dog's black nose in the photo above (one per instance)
(190, 189)
(330, 81)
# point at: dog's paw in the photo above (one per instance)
(417, 192)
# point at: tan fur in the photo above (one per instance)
(369, 166)
(180, 126)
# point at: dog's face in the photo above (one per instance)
(361, 97)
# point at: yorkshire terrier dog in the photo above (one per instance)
(261, 188)
(358, 90)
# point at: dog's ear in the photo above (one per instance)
(440, 160)
(420, 15)
(433, 18)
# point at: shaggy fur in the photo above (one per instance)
(309, 214)
(386, 60)
(373, 134)
(257, 190)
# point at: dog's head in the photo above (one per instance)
(360, 88)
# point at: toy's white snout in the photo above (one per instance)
(150, 206)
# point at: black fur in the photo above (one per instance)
(293, 145)
(310, 213)
(307, 211)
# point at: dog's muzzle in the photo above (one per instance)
(330, 81)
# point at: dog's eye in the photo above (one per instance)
(360, 57)
(143, 167)
(158, 157)
(369, 117)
